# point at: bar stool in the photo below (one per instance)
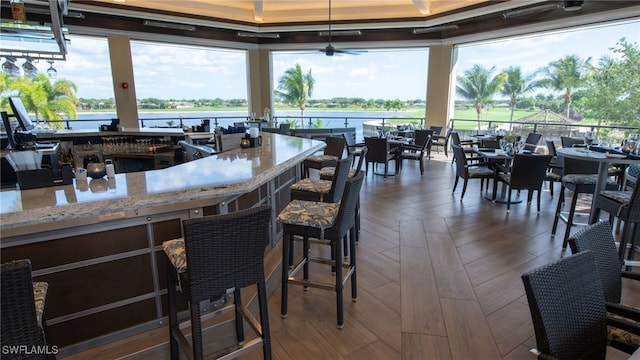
(624, 204)
(22, 304)
(579, 176)
(219, 253)
(329, 172)
(332, 152)
(327, 224)
(323, 190)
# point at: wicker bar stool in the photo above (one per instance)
(327, 224)
(219, 253)
(332, 153)
(323, 190)
(579, 177)
(22, 307)
(329, 172)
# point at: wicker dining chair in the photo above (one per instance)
(22, 308)
(219, 253)
(527, 172)
(328, 224)
(466, 171)
(569, 313)
(417, 151)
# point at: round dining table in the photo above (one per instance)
(604, 160)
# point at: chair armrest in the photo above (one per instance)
(501, 167)
(630, 274)
(478, 164)
(536, 354)
(355, 145)
(412, 147)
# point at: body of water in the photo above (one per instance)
(331, 119)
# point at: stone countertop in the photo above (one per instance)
(208, 180)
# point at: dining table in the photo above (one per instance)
(498, 155)
(604, 159)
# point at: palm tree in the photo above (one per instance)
(48, 101)
(567, 74)
(479, 85)
(515, 86)
(295, 88)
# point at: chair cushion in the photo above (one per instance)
(623, 197)
(552, 176)
(480, 171)
(582, 179)
(309, 213)
(327, 172)
(621, 335)
(176, 254)
(312, 185)
(39, 296)
(321, 158)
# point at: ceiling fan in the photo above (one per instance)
(329, 50)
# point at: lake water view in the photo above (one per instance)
(333, 119)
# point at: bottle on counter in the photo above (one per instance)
(17, 11)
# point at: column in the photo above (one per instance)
(259, 83)
(123, 84)
(440, 85)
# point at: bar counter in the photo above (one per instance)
(98, 243)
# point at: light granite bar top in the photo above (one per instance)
(66, 133)
(209, 180)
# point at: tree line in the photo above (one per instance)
(608, 91)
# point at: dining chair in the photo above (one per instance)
(353, 148)
(569, 314)
(440, 141)
(416, 152)
(467, 146)
(570, 141)
(327, 224)
(531, 142)
(219, 255)
(579, 177)
(527, 172)
(466, 171)
(624, 204)
(554, 172)
(380, 153)
(437, 130)
(22, 307)
(332, 152)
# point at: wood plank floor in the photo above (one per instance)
(438, 278)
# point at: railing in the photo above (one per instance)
(370, 125)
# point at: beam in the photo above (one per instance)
(257, 10)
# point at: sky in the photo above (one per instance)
(167, 71)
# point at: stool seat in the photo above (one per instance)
(323, 190)
(39, 295)
(326, 173)
(174, 249)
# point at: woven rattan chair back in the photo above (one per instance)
(529, 171)
(378, 150)
(347, 213)
(422, 136)
(567, 308)
(340, 178)
(437, 130)
(568, 142)
(335, 145)
(226, 251)
(461, 161)
(577, 166)
(598, 239)
(19, 321)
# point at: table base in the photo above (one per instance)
(503, 198)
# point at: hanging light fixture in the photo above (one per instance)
(51, 72)
(30, 70)
(10, 68)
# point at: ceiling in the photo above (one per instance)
(294, 24)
